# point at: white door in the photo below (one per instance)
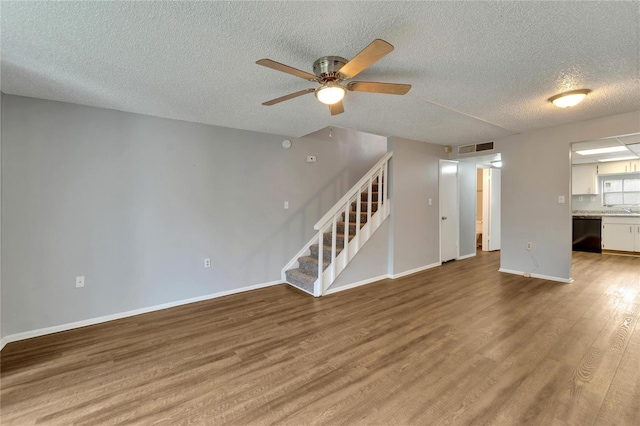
(491, 209)
(449, 222)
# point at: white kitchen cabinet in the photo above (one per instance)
(617, 167)
(621, 233)
(584, 179)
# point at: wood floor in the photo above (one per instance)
(459, 344)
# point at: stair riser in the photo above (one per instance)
(352, 228)
(311, 268)
(327, 240)
(299, 283)
(352, 217)
(364, 207)
(326, 253)
(365, 197)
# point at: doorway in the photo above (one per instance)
(491, 198)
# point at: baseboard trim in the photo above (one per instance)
(539, 276)
(92, 321)
(415, 271)
(358, 284)
(466, 256)
(300, 288)
(3, 342)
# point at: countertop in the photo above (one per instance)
(606, 213)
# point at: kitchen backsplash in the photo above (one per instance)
(587, 204)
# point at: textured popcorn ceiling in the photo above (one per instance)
(479, 70)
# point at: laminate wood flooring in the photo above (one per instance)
(460, 344)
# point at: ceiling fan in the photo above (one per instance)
(331, 71)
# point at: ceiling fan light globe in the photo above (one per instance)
(330, 93)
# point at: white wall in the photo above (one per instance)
(536, 170)
(414, 229)
(135, 204)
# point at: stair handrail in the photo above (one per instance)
(353, 191)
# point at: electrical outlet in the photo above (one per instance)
(430, 201)
(286, 205)
(529, 246)
(207, 263)
(311, 159)
(80, 281)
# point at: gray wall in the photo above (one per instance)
(467, 192)
(414, 239)
(536, 170)
(2, 333)
(370, 262)
(135, 204)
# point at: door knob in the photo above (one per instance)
(444, 218)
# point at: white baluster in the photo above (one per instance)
(320, 290)
(334, 231)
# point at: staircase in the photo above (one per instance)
(341, 233)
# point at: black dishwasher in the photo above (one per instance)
(587, 234)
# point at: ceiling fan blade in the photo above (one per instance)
(286, 68)
(369, 86)
(287, 97)
(337, 108)
(370, 54)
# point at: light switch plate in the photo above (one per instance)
(560, 199)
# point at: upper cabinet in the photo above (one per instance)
(584, 179)
(616, 167)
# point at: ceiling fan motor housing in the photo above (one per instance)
(327, 67)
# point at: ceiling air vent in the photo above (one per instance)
(467, 149)
(487, 146)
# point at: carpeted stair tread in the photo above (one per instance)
(364, 196)
(326, 251)
(300, 279)
(352, 217)
(364, 206)
(309, 264)
(341, 225)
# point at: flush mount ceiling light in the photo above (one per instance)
(569, 99)
(330, 93)
(604, 160)
(602, 150)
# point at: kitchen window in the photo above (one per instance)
(621, 191)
